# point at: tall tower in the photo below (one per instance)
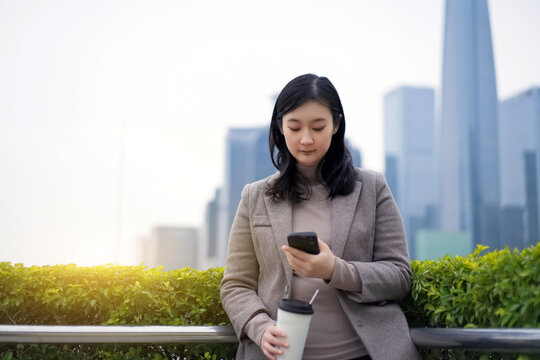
(519, 121)
(247, 159)
(409, 133)
(467, 128)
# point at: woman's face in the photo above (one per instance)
(308, 131)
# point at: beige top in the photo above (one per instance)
(331, 335)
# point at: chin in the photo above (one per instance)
(308, 163)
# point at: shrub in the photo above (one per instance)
(500, 289)
(110, 295)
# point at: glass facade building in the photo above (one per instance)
(247, 160)
(519, 122)
(208, 247)
(467, 130)
(409, 143)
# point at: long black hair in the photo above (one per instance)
(336, 168)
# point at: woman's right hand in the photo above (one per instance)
(271, 342)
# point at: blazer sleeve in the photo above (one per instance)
(388, 276)
(239, 284)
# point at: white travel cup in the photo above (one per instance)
(294, 317)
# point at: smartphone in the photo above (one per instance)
(305, 241)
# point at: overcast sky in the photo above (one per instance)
(113, 113)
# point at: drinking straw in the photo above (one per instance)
(313, 297)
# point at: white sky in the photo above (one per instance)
(83, 82)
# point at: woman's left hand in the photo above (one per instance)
(314, 266)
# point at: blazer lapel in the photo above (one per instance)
(280, 215)
(343, 208)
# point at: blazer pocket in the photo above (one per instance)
(263, 237)
(260, 220)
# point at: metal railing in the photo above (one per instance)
(68, 334)
(499, 340)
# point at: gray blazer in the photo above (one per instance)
(367, 231)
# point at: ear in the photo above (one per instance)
(281, 130)
(337, 126)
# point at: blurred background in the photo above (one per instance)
(125, 126)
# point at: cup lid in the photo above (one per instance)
(295, 306)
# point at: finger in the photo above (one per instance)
(277, 333)
(280, 344)
(277, 342)
(295, 263)
(268, 355)
(302, 255)
(271, 349)
(290, 259)
(288, 254)
(278, 336)
(303, 268)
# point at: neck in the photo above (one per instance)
(309, 172)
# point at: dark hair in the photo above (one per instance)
(336, 168)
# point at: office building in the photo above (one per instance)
(247, 159)
(209, 250)
(171, 247)
(409, 143)
(519, 122)
(467, 131)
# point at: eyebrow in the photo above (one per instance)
(314, 120)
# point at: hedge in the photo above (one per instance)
(500, 289)
(111, 295)
(497, 289)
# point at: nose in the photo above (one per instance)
(306, 139)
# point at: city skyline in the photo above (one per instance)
(87, 88)
(467, 132)
(478, 152)
(410, 147)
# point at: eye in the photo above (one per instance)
(294, 129)
(319, 129)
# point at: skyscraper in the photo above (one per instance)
(409, 133)
(467, 131)
(519, 121)
(209, 251)
(247, 160)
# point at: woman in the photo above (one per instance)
(363, 264)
